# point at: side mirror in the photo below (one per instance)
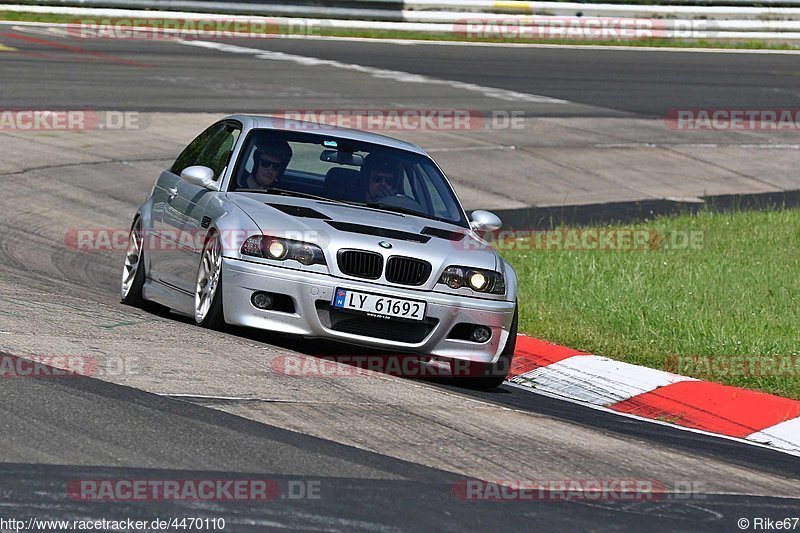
(485, 221)
(200, 176)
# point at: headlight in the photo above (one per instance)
(478, 280)
(279, 249)
(276, 249)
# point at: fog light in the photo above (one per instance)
(481, 334)
(262, 300)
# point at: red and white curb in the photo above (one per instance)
(656, 394)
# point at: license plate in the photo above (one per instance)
(377, 305)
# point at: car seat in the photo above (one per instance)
(344, 184)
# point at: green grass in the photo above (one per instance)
(400, 34)
(736, 295)
(35, 17)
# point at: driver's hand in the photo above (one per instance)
(383, 191)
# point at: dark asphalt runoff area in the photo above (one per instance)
(386, 454)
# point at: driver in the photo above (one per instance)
(384, 176)
(269, 162)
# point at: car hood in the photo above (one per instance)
(340, 226)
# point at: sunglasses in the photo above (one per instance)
(266, 164)
(389, 180)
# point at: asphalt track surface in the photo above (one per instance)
(386, 452)
(178, 78)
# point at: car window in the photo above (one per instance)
(211, 149)
(437, 194)
(217, 152)
(193, 150)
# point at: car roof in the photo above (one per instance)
(279, 124)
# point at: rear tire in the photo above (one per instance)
(490, 375)
(133, 275)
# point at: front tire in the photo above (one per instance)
(490, 375)
(208, 312)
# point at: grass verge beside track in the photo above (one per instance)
(425, 36)
(724, 308)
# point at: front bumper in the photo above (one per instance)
(313, 293)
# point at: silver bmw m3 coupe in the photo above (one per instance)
(324, 232)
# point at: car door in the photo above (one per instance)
(165, 213)
(188, 217)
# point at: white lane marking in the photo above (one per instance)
(472, 148)
(767, 146)
(597, 380)
(395, 75)
(627, 145)
(49, 31)
(191, 397)
(786, 433)
(224, 398)
(700, 145)
(551, 46)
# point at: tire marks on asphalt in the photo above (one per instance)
(74, 50)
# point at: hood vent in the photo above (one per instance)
(299, 211)
(379, 232)
(442, 233)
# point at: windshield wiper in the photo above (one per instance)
(404, 210)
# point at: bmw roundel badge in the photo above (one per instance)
(384, 244)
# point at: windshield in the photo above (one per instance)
(344, 170)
